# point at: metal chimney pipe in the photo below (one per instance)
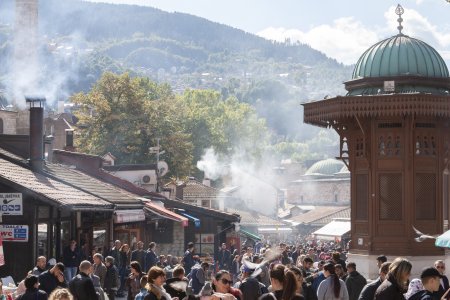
(36, 132)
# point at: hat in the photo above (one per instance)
(430, 272)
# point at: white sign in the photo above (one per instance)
(11, 204)
(389, 86)
(14, 233)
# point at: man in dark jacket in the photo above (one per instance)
(139, 255)
(53, 278)
(112, 282)
(71, 260)
(81, 286)
(440, 266)
(150, 258)
(224, 258)
(368, 292)
(431, 280)
(188, 259)
(177, 285)
(32, 292)
(354, 282)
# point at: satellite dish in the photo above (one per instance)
(163, 168)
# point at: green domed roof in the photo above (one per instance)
(400, 55)
(325, 167)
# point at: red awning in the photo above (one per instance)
(165, 213)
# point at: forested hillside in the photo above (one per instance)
(86, 39)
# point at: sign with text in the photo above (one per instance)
(11, 204)
(14, 233)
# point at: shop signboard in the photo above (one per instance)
(14, 233)
(11, 204)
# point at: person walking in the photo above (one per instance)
(124, 254)
(150, 257)
(139, 254)
(53, 278)
(133, 282)
(444, 286)
(284, 285)
(81, 286)
(71, 260)
(156, 278)
(355, 282)
(99, 268)
(188, 258)
(32, 289)
(396, 282)
(368, 292)
(224, 258)
(112, 281)
(332, 288)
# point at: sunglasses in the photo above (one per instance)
(440, 267)
(226, 281)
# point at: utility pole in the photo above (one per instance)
(156, 150)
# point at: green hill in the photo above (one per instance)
(186, 51)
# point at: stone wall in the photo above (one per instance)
(319, 192)
(8, 118)
(177, 246)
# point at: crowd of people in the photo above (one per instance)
(282, 272)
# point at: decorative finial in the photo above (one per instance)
(399, 11)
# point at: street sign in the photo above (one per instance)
(14, 233)
(11, 204)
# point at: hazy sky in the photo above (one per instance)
(341, 29)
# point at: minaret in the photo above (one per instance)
(25, 65)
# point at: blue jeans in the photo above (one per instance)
(70, 272)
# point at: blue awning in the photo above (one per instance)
(194, 219)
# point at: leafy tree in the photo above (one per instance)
(126, 115)
(229, 126)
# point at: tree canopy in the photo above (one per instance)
(125, 115)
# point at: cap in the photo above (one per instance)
(430, 272)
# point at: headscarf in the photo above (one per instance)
(414, 286)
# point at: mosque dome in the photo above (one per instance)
(412, 64)
(328, 166)
(400, 55)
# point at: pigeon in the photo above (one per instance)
(422, 237)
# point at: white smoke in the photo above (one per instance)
(255, 183)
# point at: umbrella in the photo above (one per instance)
(443, 240)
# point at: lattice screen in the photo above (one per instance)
(425, 196)
(391, 196)
(362, 197)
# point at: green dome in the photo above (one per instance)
(400, 55)
(325, 167)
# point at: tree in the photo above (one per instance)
(228, 126)
(125, 116)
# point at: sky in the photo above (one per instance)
(341, 29)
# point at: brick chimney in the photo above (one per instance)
(36, 132)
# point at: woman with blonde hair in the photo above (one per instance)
(60, 294)
(396, 282)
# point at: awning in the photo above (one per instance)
(129, 215)
(333, 230)
(249, 234)
(194, 219)
(165, 213)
